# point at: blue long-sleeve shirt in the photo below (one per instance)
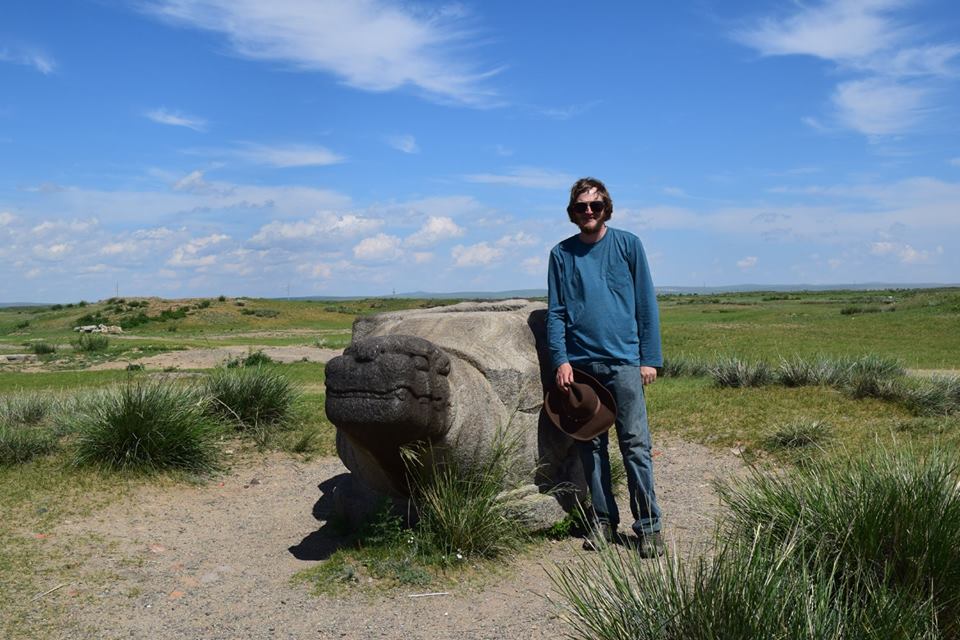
(601, 303)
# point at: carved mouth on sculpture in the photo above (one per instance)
(388, 391)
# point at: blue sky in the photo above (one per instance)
(198, 147)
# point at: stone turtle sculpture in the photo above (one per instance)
(457, 377)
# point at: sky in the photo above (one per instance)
(184, 148)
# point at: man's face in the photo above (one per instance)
(590, 221)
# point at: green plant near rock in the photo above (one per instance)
(42, 348)
(144, 426)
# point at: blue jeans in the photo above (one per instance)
(633, 434)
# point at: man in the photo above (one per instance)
(602, 318)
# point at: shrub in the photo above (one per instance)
(145, 426)
(23, 324)
(42, 348)
(19, 444)
(253, 399)
(733, 372)
(260, 313)
(222, 298)
(886, 518)
(854, 310)
(56, 307)
(90, 342)
(203, 304)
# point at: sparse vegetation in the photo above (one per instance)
(799, 434)
(41, 348)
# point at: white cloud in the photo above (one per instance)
(406, 143)
(529, 177)
(878, 106)
(518, 239)
(676, 192)
(748, 262)
(838, 31)
(435, 229)
(176, 119)
(905, 253)
(475, 255)
(369, 44)
(897, 73)
(324, 228)
(6, 218)
(378, 248)
(55, 251)
(196, 253)
(422, 257)
(30, 58)
(289, 156)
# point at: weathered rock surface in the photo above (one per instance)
(458, 377)
(99, 328)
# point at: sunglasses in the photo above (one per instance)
(597, 206)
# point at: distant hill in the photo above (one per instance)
(734, 288)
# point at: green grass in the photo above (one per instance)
(255, 400)
(888, 517)
(145, 426)
(88, 342)
(20, 444)
(859, 546)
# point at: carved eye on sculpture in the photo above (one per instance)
(444, 368)
(421, 363)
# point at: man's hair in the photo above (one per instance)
(585, 184)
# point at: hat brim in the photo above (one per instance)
(600, 423)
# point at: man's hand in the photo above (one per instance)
(648, 374)
(564, 376)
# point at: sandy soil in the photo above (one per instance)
(216, 560)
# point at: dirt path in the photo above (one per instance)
(216, 560)
(209, 358)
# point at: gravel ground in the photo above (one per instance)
(216, 560)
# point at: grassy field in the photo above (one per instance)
(917, 327)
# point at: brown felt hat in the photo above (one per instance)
(584, 411)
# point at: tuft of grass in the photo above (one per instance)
(254, 400)
(20, 444)
(938, 396)
(681, 365)
(27, 408)
(90, 342)
(886, 518)
(798, 434)
(753, 587)
(41, 348)
(145, 426)
(459, 509)
(733, 372)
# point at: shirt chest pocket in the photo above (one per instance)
(619, 278)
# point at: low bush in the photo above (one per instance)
(260, 313)
(20, 444)
(91, 342)
(145, 426)
(252, 359)
(253, 399)
(682, 365)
